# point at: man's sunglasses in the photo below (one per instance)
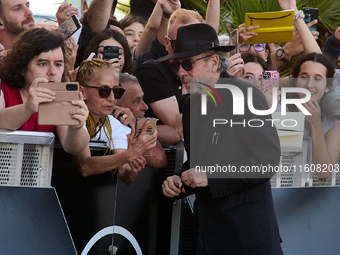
(186, 64)
(172, 42)
(257, 47)
(105, 91)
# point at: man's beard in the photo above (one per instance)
(14, 28)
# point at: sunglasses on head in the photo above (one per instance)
(105, 91)
(257, 47)
(187, 65)
(172, 42)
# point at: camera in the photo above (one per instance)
(110, 52)
(71, 87)
(266, 75)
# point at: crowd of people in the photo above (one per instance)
(158, 57)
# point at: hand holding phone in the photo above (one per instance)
(110, 52)
(233, 41)
(310, 15)
(149, 131)
(57, 112)
(69, 27)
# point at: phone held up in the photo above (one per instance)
(110, 52)
(149, 131)
(57, 112)
(311, 14)
(69, 27)
(233, 41)
(270, 79)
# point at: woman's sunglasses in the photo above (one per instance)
(186, 64)
(257, 47)
(105, 91)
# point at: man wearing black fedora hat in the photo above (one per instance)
(234, 212)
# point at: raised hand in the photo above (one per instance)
(141, 143)
(236, 65)
(169, 6)
(65, 11)
(245, 33)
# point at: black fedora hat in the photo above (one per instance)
(195, 39)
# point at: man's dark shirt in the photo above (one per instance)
(156, 51)
(158, 82)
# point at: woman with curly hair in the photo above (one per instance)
(99, 83)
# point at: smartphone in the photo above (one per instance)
(149, 131)
(110, 52)
(69, 27)
(269, 79)
(311, 14)
(57, 112)
(233, 41)
(75, 4)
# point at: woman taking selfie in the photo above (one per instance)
(315, 72)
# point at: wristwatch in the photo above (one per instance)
(280, 55)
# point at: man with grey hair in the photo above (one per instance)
(133, 99)
(234, 209)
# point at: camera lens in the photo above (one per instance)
(306, 16)
(266, 75)
(71, 87)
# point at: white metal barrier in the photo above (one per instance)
(26, 158)
(293, 173)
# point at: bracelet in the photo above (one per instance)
(166, 15)
(299, 15)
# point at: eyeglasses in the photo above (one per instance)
(257, 47)
(172, 42)
(105, 91)
(186, 64)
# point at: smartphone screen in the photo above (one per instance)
(311, 14)
(233, 41)
(69, 27)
